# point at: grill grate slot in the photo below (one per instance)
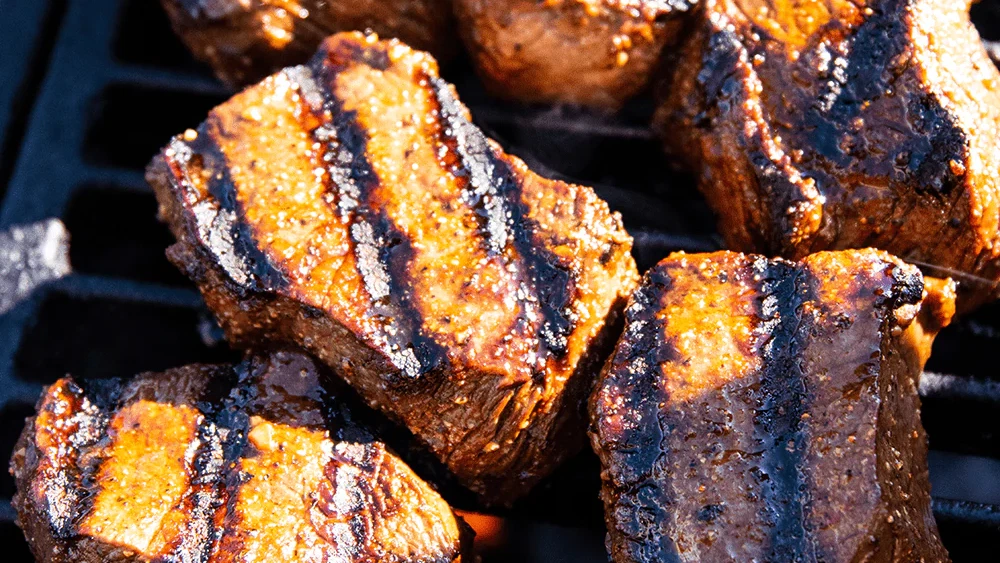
(114, 84)
(101, 337)
(130, 247)
(129, 124)
(144, 37)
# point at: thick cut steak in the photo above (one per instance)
(252, 463)
(350, 207)
(584, 52)
(825, 125)
(767, 410)
(246, 40)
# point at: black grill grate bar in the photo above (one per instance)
(649, 241)
(548, 120)
(943, 386)
(6, 511)
(126, 178)
(17, 391)
(987, 515)
(89, 286)
(167, 79)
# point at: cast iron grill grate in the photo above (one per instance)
(90, 89)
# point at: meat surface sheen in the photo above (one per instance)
(254, 462)
(767, 410)
(584, 52)
(246, 40)
(350, 207)
(823, 125)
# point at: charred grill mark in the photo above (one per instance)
(222, 223)
(207, 493)
(218, 466)
(640, 464)
(194, 545)
(784, 399)
(869, 69)
(494, 193)
(346, 494)
(70, 492)
(383, 252)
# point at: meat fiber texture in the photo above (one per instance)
(349, 207)
(767, 410)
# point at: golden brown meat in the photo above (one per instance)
(350, 206)
(765, 410)
(246, 40)
(837, 124)
(250, 463)
(585, 52)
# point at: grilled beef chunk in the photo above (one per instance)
(766, 410)
(350, 206)
(246, 40)
(585, 52)
(220, 463)
(830, 125)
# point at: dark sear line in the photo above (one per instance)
(211, 479)
(234, 423)
(494, 193)
(203, 498)
(383, 253)
(778, 423)
(223, 227)
(70, 500)
(645, 458)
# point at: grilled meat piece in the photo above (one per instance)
(246, 40)
(349, 206)
(584, 52)
(253, 462)
(766, 410)
(830, 125)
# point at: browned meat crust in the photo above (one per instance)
(828, 125)
(247, 463)
(246, 40)
(350, 206)
(584, 52)
(765, 410)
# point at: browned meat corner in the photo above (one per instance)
(246, 40)
(830, 125)
(349, 206)
(766, 410)
(251, 463)
(584, 52)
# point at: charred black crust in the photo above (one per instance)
(783, 400)
(637, 505)
(907, 286)
(75, 491)
(221, 228)
(922, 160)
(493, 191)
(383, 251)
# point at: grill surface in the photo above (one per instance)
(90, 89)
